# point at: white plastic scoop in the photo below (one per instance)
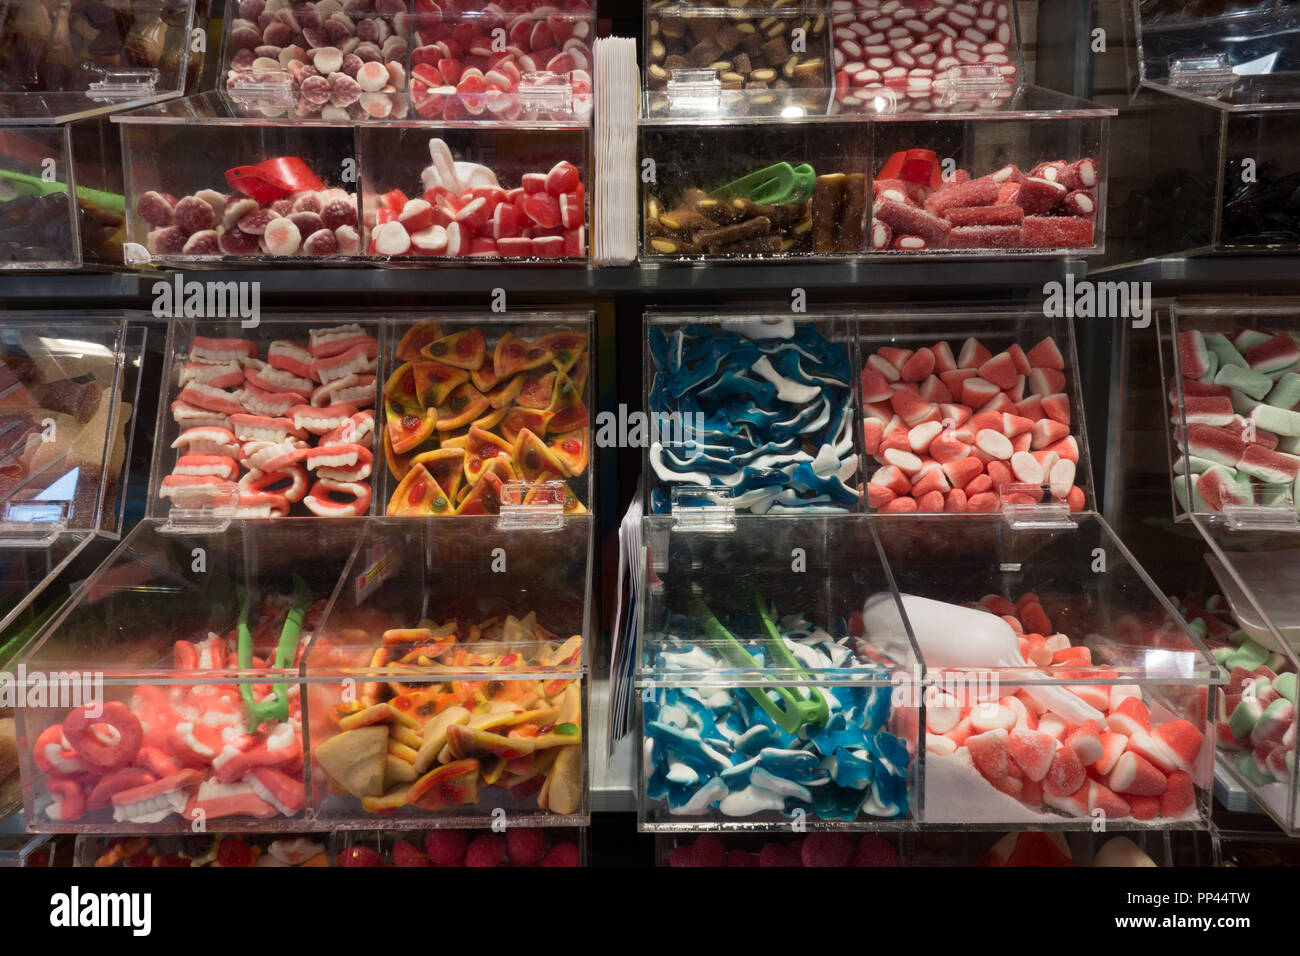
(449, 174)
(952, 636)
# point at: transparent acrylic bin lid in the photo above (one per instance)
(1250, 496)
(203, 850)
(411, 574)
(544, 106)
(973, 96)
(701, 622)
(467, 642)
(63, 62)
(1089, 584)
(1257, 573)
(25, 574)
(1236, 56)
(40, 223)
(67, 393)
(153, 641)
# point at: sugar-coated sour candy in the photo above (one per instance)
(955, 432)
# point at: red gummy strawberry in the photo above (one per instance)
(406, 853)
(562, 854)
(487, 849)
(360, 856)
(525, 845)
(445, 847)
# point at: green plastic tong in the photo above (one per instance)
(796, 707)
(274, 708)
(773, 186)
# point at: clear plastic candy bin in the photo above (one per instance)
(167, 694)
(1233, 373)
(39, 221)
(763, 698)
(752, 411)
(1216, 89)
(449, 679)
(1062, 687)
(971, 412)
(1254, 636)
(269, 418)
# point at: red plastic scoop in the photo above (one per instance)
(274, 179)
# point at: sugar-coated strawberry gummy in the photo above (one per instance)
(525, 845)
(562, 854)
(406, 853)
(874, 850)
(445, 847)
(683, 856)
(1066, 774)
(360, 856)
(487, 849)
(741, 858)
(826, 849)
(774, 854)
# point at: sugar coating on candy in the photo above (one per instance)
(486, 849)
(446, 847)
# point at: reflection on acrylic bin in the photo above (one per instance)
(471, 407)
(1234, 385)
(60, 62)
(70, 389)
(1218, 97)
(39, 222)
(970, 412)
(1255, 639)
(172, 690)
(516, 847)
(438, 700)
(271, 421)
(763, 698)
(751, 412)
(1074, 691)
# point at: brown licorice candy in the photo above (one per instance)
(674, 247)
(852, 213)
(718, 211)
(782, 216)
(756, 245)
(827, 198)
(733, 232)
